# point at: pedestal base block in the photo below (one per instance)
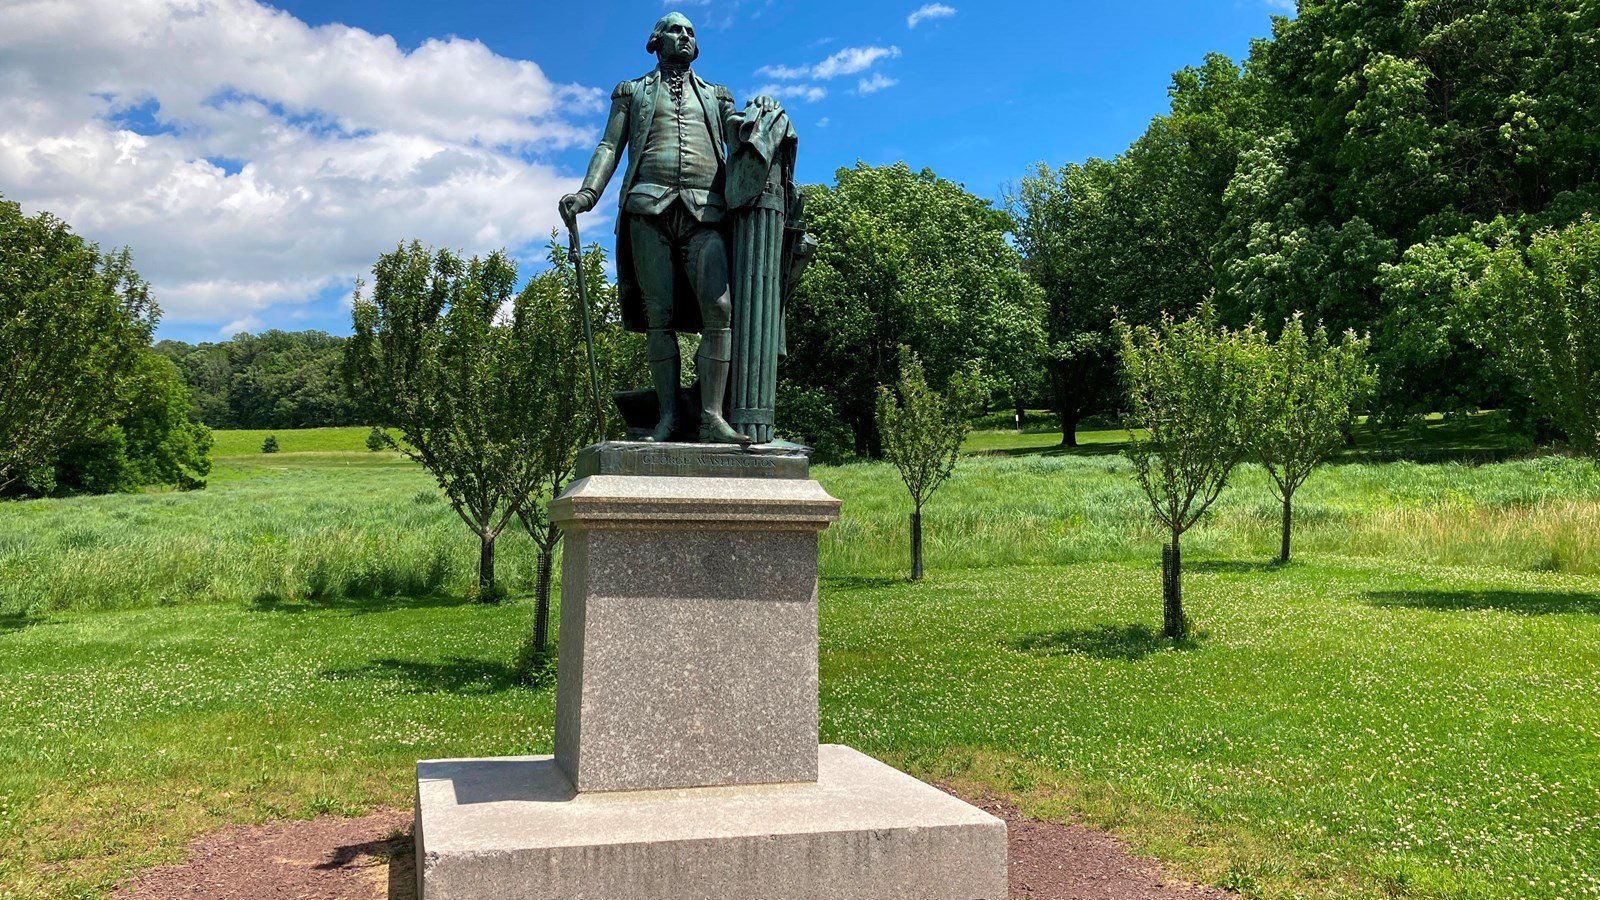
(489, 829)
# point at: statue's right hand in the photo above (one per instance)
(573, 204)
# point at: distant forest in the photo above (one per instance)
(276, 379)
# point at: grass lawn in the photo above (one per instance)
(1411, 709)
(247, 442)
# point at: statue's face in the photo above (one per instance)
(678, 44)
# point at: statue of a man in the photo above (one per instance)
(672, 254)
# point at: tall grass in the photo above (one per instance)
(327, 526)
(1537, 514)
(319, 528)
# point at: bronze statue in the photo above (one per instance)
(673, 261)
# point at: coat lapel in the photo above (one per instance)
(708, 102)
(647, 111)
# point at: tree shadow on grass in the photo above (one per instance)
(14, 621)
(1096, 449)
(268, 601)
(841, 583)
(1231, 566)
(1526, 603)
(454, 675)
(1129, 643)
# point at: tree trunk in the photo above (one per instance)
(486, 567)
(1174, 624)
(1069, 427)
(916, 546)
(1022, 416)
(1288, 519)
(541, 604)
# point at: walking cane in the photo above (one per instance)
(575, 256)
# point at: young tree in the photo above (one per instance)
(72, 326)
(922, 433)
(1188, 419)
(1540, 311)
(553, 320)
(1306, 391)
(430, 359)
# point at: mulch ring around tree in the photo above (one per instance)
(370, 858)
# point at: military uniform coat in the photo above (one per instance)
(633, 106)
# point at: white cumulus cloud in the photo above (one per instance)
(876, 83)
(930, 11)
(848, 61)
(851, 60)
(249, 159)
(808, 92)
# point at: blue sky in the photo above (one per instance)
(257, 158)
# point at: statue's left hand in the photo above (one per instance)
(762, 101)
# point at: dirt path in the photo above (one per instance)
(370, 859)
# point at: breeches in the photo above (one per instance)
(672, 241)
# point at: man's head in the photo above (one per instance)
(673, 40)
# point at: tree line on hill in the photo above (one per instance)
(275, 379)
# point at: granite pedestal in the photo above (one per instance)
(686, 760)
(500, 829)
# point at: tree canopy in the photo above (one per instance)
(73, 322)
(276, 379)
(1539, 310)
(906, 258)
(1357, 168)
(85, 406)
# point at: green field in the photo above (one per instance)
(1411, 709)
(247, 442)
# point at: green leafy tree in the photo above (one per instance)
(429, 360)
(552, 324)
(270, 445)
(807, 415)
(1540, 310)
(276, 379)
(907, 258)
(922, 434)
(1131, 237)
(1188, 418)
(72, 325)
(1351, 170)
(1402, 125)
(1307, 389)
(1424, 344)
(164, 445)
(148, 439)
(377, 440)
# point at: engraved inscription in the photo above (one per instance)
(708, 461)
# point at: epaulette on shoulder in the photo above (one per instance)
(723, 93)
(624, 89)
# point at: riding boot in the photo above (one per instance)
(662, 347)
(716, 346)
